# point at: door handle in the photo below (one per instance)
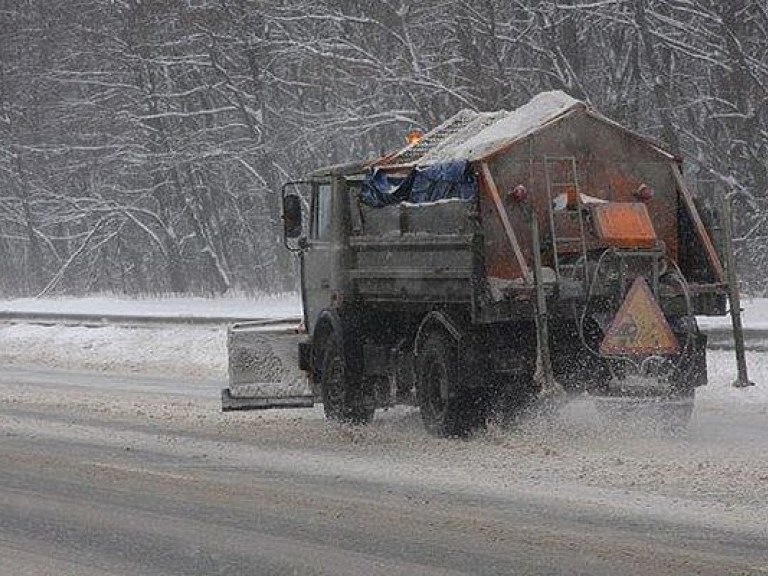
(325, 283)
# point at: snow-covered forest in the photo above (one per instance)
(143, 142)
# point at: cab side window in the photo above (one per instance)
(321, 213)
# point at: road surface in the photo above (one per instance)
(133, 475)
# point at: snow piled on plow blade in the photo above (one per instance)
(264, 368)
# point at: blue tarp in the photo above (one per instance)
(436, 182)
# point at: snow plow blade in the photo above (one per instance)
(230, 403)
(264, 367)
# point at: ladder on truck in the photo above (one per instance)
(561, 184)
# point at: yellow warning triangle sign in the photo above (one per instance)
(639, 326)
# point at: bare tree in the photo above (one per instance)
(143, 143)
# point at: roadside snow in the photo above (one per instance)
(721, 367)
(191, 352)
(754, 316)
(279, 306)
(184, 351)
(199, 353)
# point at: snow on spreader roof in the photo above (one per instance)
(514, 125)
(472, 135)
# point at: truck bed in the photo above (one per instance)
(414, 252)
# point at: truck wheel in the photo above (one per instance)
(344, 397)
(446, 409)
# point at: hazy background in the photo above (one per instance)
(143, 142)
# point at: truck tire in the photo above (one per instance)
(344, 396)
(447, 409)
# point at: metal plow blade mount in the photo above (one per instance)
(264, 368)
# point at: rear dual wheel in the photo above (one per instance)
(447, 406)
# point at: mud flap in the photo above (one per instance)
(264, 368)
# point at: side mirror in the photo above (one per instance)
(292, 224)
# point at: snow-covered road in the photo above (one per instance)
(117, 431)
(103, 473)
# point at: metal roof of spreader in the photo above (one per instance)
(432, 139)
(472, 136)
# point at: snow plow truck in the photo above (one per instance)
(499, 258)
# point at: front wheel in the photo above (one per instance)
(344, 396)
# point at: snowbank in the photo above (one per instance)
(197, 352)
(191, 352)
(721, 366)
(186, 352)
(754, 316)
(279, 306)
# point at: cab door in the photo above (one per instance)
(318, 256)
